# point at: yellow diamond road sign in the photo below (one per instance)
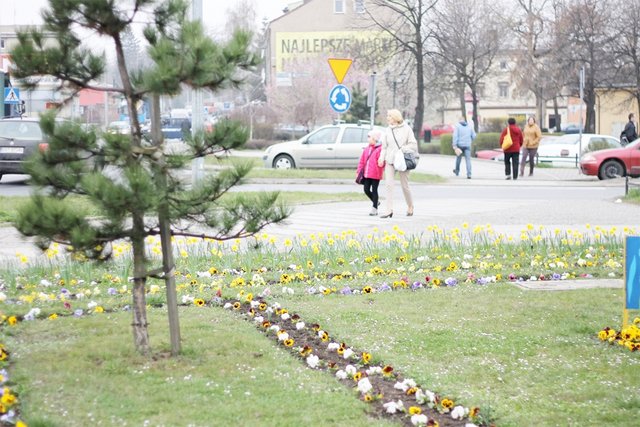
(340, 67)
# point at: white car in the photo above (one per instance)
(332, 146)
(567, 150)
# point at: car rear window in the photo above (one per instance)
(20, 130)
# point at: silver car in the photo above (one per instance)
(19, 138)
(328, 147)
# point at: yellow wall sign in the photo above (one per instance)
(340, 67)
(292, 46)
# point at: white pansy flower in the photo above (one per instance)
(313, 361)
(92, 304)
(419, 420)
(470, 425)
(351, 370)
(341, 375)
(258, 319)
(333, 346)
(285, 316)
(186, 299)
(374, 370)
(321, 333)
(364, 385)
(254, 304)
(300, 325)
(283, 336)
(45, 283)
(3, 297)
(274, 328)
(458, 412)
(269, 310)
(393, 407)
(348, 353)
(227, 305)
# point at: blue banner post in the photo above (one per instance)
(631, 277)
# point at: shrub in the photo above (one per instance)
(494, 124)
(484, 141)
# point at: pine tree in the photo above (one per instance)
(130, 179)
(358, 109)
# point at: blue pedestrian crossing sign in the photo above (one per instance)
(11, 95)
(340, 98)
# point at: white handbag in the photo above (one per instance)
(399, 163)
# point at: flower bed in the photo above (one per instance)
(390, 394)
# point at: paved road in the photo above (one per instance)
(553, 197)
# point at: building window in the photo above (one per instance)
(503, 90)
(338, 6)
(480, 90)
(2, 44)
(358, 6)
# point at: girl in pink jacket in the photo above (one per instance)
(372, 172)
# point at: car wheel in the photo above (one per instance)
(283, 161)
(611, 169)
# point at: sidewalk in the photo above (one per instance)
(504, 215)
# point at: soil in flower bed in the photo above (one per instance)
(383, 387)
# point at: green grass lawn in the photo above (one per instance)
(84, 372)
(524, 357)
(350, 174)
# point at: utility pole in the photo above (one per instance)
(197, 105)
(581, 108)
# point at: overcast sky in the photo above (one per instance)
(27, 12)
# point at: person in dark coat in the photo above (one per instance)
(629, 131)
(512, 154)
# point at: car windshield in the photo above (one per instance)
(15, 129)
(564, 140)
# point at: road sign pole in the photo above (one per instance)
(371, 99)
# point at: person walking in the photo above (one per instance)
(397, 136)
(629, 133)
(371, 172)
(463, 136)
(511, 154)
(531, 141)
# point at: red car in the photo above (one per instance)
(437, 130)
(613, 162)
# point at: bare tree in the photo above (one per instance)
(626, 50)
(406, 22)
(584, 27)
(468, 40)
(531, 74)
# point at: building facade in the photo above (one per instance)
(319, 29)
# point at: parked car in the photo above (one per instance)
(571, 128)
(331, 146)
(566, 149)
(175, 128)
(498, 155)
(493, 154)
(289, 132)
(613, 162)
(436, 130)
(19, 138)
(120, 126)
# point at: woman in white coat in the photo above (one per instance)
(397, 136)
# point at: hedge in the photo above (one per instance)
(484, 141)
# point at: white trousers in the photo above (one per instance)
(389, 173)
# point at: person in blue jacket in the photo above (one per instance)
(463, 136)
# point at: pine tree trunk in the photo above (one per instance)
(139, 325)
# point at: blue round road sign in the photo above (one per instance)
(340, 98)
